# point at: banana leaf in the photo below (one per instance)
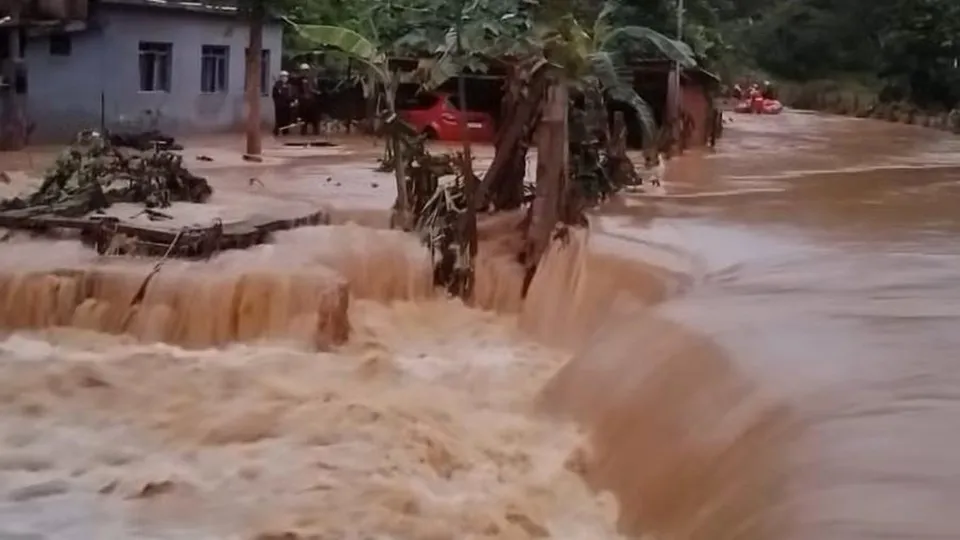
(344, 39)
(603, 67)
(674, 50)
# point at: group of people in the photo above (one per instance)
(296, 102)
(766, 91)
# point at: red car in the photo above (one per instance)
(436, 114)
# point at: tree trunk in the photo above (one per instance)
(522, 103)
(13, 125)
(552, 165)
(402, 216)
(256, 17)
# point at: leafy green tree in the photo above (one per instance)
(920, 51)
(910, 45)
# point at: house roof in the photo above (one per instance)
(214, 7)
(75, 12)
(657, 65)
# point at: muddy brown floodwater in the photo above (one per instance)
(765, 349)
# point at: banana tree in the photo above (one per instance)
(556, 54)
(577, 59)
(593, 57)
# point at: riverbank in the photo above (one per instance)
(852, 98)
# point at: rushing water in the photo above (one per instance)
(828, 270)
(761, 351)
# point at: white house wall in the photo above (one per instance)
(64, 92)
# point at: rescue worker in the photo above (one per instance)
(768, 91)
(756, 99)
(284, 102)
(737, 92)
(307, 109)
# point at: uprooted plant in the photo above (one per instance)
(92, 174)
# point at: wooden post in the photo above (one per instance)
(255, 19)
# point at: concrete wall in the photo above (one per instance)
(64, 92)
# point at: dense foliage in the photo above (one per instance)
(910, 48)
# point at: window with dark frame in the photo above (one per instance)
(214, 61)
(156, 66)
(60, 44)
(265, 72)
(5, 46)
(265, 84)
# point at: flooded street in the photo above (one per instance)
(825, 257)
(772, 359)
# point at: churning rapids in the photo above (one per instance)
(762, 351)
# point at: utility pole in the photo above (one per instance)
(677, 100)
(256, 14)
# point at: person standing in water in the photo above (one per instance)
(283, 104)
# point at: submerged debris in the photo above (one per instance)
(438, 207)
(94, 173)
(144, 140)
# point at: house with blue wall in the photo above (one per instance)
(177, 66)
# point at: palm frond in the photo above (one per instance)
(674, 50)
(343, 39)
(347, 42)
(604, 69)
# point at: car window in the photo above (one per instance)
(453, 102)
